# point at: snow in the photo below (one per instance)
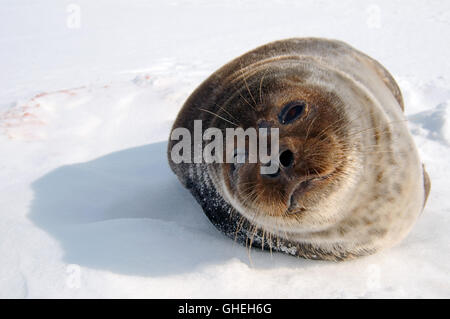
(88, 205)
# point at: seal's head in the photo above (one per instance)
(316, 161)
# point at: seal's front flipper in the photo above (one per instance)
(426, 184)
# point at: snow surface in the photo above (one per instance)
(88, 205)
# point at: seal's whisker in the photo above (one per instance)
(239, 227)
(217, 115)
(254, 231)
(376, 127)
(309, 128)
(246, 85)
(223, 109)
(332, 125)
(248, 103)
(260, 86)
(270, 243)
(345, 125)
(386, 130)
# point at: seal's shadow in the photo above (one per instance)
(126, 212)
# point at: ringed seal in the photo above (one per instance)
(350, 180)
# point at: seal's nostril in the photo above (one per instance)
(286, 158)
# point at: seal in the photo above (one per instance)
(350, 181)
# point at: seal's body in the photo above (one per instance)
(350, 180)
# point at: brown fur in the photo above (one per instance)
(353, 185)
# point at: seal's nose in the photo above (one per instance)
(286, 158)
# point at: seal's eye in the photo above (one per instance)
(291, 112)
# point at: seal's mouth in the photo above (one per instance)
(294, 204)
